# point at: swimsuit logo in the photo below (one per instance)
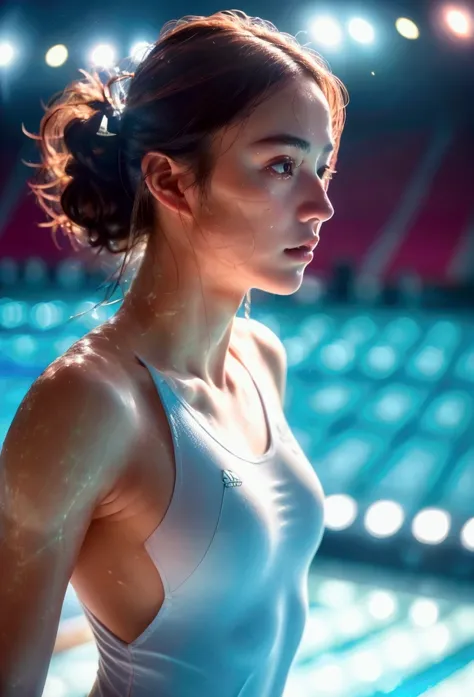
(230, 479)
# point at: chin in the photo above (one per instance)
(282, 286)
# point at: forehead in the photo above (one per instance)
(299, 108)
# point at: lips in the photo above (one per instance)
(308, 246)
(302, 246)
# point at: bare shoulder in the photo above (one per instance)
(272, 350)
(73, 430)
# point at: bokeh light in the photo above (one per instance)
(56, 56)
(340, 511)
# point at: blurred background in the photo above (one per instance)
(379, 337)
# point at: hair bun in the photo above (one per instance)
(96, 206)
(94, 199)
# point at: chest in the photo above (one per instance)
(239, 419)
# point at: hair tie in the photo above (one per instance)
(112, 109)
(109, 126)
(110, 123)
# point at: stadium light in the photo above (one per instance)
(407, 28)
(361, 31)
(56, 56)
(384, 518)
(340, 511)
(382, 605)
(431, 526)
(424, 612)
(467, 535)
(459, 22)
(6, 53)
(326, 31)
(103, 56)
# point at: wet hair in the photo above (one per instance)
(202, 74)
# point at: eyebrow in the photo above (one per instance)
(295, 141)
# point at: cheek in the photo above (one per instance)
(250, 196)
(244, 209)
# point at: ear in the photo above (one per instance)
(168, 181)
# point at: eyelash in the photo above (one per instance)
(327, 174)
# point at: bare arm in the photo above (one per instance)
(63, 453)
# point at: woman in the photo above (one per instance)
(151, 465)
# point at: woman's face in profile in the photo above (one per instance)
(265, 195)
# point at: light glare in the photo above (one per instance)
(384, 518)
(327, 31)
(56, 56)
(436, 641)
(336, 593)
(407, 28)
(381, 604)
(340, 511)
(361, 31)
(6, 53)
(431, 526)
(424, 612)
(467, 535)
(365, 665)
(458, 22)
(103, 56)
(140, 51)
(399, 649)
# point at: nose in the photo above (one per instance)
(316, 204)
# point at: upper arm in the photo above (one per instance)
(61, 455)
(274, 352)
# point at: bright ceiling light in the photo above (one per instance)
(459, 22)
(6, 53)
(103, 56)
(56, 56)
(361, 31)
(407, 28)
(327, 31)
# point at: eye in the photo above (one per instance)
(288, 164)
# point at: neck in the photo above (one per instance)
(184, 327)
